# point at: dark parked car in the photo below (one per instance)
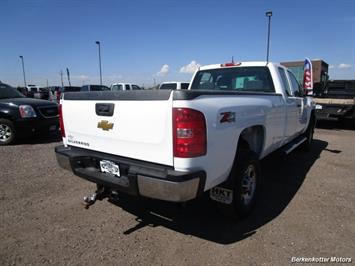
(94, 88)
(21, 116)
(56, 91)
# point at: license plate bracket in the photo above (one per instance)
(110, 168)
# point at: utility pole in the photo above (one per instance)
(68, 75)
(23, 70)
(98, 43)
(269, 15)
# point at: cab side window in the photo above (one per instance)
(117, 87)
(295, 86)
(285, 83)
(135, 87)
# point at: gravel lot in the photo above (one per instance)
(307, 210)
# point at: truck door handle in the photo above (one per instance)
(299, 105)
(104, 109)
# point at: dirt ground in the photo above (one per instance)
(307, 210)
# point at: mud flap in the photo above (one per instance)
(223, 195)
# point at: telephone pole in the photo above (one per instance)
(23, 70)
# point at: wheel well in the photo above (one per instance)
(252, 138)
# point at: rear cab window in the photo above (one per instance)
(117, 87)
(243, 79)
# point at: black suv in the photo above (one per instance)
(21, 116)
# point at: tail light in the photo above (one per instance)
(61, 123)
(189, 133)
(230, 64)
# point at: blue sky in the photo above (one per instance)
(142, 40)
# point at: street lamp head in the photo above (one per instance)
(268, 14)
(97, 42)
(21, 56)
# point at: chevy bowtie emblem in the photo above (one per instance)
(105, 125)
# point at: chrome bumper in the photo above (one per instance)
(168, 190)
(162, 183)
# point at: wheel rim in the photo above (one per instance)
(248, 184)
(5, 132)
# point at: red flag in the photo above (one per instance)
(308, 77)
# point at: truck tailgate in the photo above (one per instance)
(140, 126)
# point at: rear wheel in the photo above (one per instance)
(7, 132)
(244, 181)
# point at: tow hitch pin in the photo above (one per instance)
(100, 193)
(89, 200)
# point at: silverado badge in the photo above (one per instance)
(105, 125)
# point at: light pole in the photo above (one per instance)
(98, 43)
(23, 70)
(269, 15)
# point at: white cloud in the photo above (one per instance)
(80, 77)
(331, 66)
(344, 66)
(164, 70)
(190, 68)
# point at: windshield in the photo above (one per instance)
(8, 92)
(250, 79)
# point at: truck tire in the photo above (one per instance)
(245, 182)
(7, 132)
(306, 146)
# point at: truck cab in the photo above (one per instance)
(124, 87)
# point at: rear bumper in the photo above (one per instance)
(335, 112)
(28, 126)
(138, 178)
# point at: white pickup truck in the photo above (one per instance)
(174, 145)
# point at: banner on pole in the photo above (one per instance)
(308, 77)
